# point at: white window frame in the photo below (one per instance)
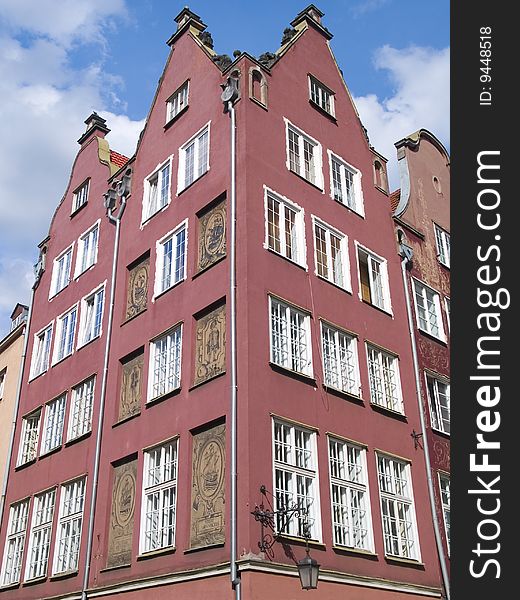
(78, 195)
(81, 408)
(70, 525)
(199, 168)
(380, 383)
(296, 473)
(386, 305)
(56, 285)
(349, 495)
(305, 362)
(298, 233)
(331, 275)
(14, 543)
(53, 424)
(398, 479)
(447, 302)
(436, 407)
(178, 101)
(442, 243)
(38, 548)
(66, 332)
(317, 154)
(358, 204)
(428, 296)
(157, 388)
(159, 286)
(444, 494)
(89, 328)
(91, 252)
(161, 203)
(336, 365)
(29, 437)
(322, 90)
(41, 343)
(3, 375)
(158, 488)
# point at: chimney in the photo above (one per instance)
(186, 19)
(312, 15)
(95, 125)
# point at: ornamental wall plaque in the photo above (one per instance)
(122, 515)
(137, 290)
(207, 491)
(212, 236)
(210, 345)
(131, 387)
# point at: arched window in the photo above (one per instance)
(380, 179)
(257, 86)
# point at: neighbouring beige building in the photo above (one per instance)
(11, 349)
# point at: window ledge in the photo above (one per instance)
(336, 285)
(165, 396)
(289, 260)
(154, 553)
(258, 102)
(83, 344)
(385, 192)
(158, 211)
(355, 551)
(440, 432)
(411, 562)
(430, 336)
(343, 394)
(63, 575)
(349, 208)
(184, 189)
(79, 209)
(114, 568)
(199, 383)
(127, 418)
(133, 317)
(33, 377)
(309, 379)
(78, 438)
(25, 464)
(89, 268)
(34, 581)
(321, 110)
(52, 296)
(175, 118)
(314, 185)
(385, 311)
(57, 362)
(198, 273)
(389, 411)
(200, 548)
(294, 539)
(49, 452)
(165, 291)
(10, 586)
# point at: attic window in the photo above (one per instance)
(321, 95)
(380, 180)
(177, 102)
(258, 86)
(80, 196)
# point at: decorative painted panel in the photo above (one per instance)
(212, 236)
(122, 515)
(210, 345)
(131, 388)
(137, 290)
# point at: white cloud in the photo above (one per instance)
(45, 100)
(421, 99)
(366, 6)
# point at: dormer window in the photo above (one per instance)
(380, 179)
(80, 196)
(177, 102)
(321, 95)
(258, 86)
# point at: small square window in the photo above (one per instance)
(177, 102)
(321, 95)
(80, 196)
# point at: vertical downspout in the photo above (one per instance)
(99, 433)
(235, 579)
(438, 540)
(16, 404)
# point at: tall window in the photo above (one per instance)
(340, 360)
(87, 250)
(439, 397)
(177, 102)
(29, 438)
(351, 522)
(193, 158)
(80, 416)
(383, 376)
(80, 196)
(171, 259)
(165, 363)
(40, 536)
(345, 184)
(14, 542)
(447, 302)
(290, 337)
(442, 239)
(321, 95)
(2, 383)
(159, 498)
(41, 351)
(397, 508)
(285, 228)
(331, 254)
(53, 424)
(91, 316)
(444, 482)
(65, 331)
(304, 155)
(295, 477)
(61, 272)
(68, 535)
(373, 279)
(156, 191)
(428, 309)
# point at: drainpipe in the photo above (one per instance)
(406, 255)
(110, 198)
(229, 96)
(16, 404)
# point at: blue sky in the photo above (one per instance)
(61, 59)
